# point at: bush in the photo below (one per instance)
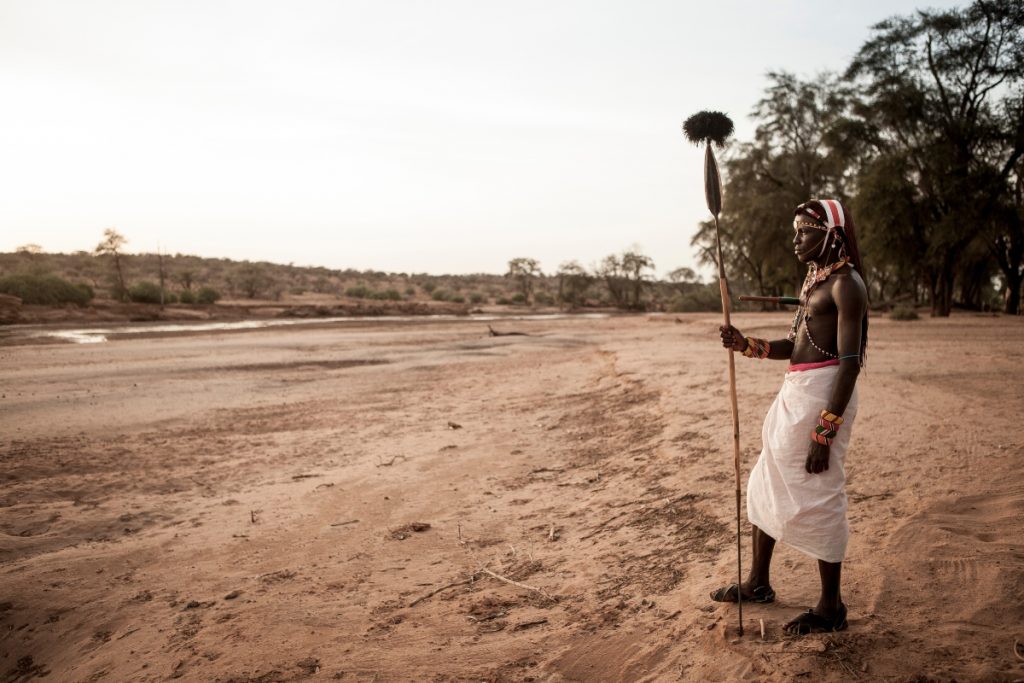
(902, 312)
(358, 292)
(144, 292)
(440, 295)
(459, 299)
(410, 291)
(428, 287)
(703, 298)
(544, 299)
(502, 301)
(388, 295)
(47, 290)
(519, 298)
(207, 295)
(477, 298)
(187, 296)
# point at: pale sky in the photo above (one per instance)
(440, 137)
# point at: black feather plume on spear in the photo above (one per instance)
(714, 128)
(708, 126)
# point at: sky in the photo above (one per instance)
(404, 136)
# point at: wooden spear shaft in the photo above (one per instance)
(723, 285)
(711, 127)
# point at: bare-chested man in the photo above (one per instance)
(796, 490)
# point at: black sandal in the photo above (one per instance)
(812, 622)
(730, 593)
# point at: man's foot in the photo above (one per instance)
(730, 594)
(813, 622)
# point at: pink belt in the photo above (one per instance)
(800, 367)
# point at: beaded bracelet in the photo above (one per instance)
(828, 427)
(757, 348)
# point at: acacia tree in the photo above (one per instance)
(610, 270)
(943, 106)
(684, 279)
(636, 267)
(112, 244)
(625, 277)
(573, 281)
(1006, 243)
(186, 278)
(251, 280)
(525, 272)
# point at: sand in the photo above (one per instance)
(336, 503)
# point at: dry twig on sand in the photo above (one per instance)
(476, 575)
(499, 577)
(528, 624)
(351, 521)
(389, 463)
(445, 587)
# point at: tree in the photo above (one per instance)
(33, 259)
(636, 267)
(1006, 242)
(250, 280)
(162, 274)
(625, 278)
(944, 107)
(573, 282)
(29, 251)
(524, 271)
(112, 244)
(186, 278)
(610, 270)
(684, 279)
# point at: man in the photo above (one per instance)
(795, 493)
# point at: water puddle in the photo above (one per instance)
(96, 335)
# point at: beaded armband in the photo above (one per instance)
(757, 348)
(828, 427)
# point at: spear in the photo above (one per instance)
(714, 128)
(786, 300)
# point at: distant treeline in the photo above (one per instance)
(624, 281)
(922, 137)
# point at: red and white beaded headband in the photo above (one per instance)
(834, 216)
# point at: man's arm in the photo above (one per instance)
(781, 349)
(851, 302)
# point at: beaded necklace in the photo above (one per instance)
(815, 276)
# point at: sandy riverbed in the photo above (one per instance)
(244, 506)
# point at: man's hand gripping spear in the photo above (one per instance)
(714, 128)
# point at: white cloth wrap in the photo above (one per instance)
(806, 511)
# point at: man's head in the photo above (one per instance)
(824, 233)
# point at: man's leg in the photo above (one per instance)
(830, 612)
(764, 546)
(757, 585)
(830, 601)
